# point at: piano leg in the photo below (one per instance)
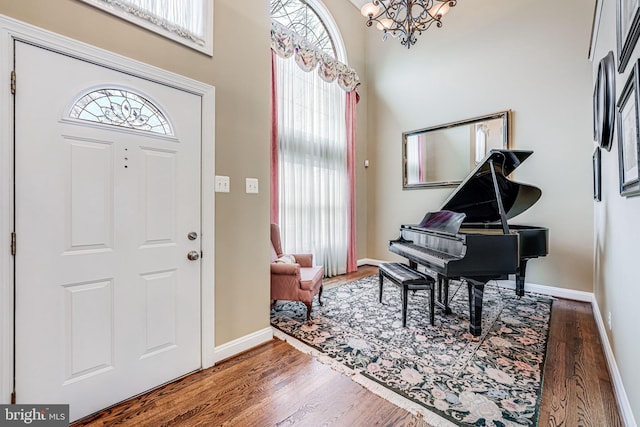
(476, 292)
(443, 299)
(522, 269)
(447, 309)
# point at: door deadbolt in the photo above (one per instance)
(192, 236)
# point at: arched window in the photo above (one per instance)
(304, 21)
(311, 187)
(119, 107)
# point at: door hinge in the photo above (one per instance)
(13, 398)
(13, 82)
(13, 243)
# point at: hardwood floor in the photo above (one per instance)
(577, 389)
(276, 385)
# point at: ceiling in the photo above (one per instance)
(359, 3)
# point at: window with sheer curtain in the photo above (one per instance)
(189, 22)
(312, 166)
(312, 179)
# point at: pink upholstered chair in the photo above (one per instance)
(299, 281)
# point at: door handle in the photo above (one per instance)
(193, 255)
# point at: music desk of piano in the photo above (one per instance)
(475, 242)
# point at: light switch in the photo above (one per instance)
(252, 185)
(222, 184)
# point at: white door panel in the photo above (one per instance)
(107, 303)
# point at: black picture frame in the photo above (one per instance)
(627, 30)
(597, 175)
(596, 134)
(628, 135)
(604, 108)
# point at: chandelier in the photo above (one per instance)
(405, 19)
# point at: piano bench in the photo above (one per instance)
(408, 279)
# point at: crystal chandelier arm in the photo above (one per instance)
(381, 9)
(404, 18)
(386, 14)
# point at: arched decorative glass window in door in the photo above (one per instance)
(122, 108)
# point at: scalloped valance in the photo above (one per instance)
(285, 43)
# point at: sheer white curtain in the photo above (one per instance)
(188, 15)
(187, 21)
(312, 145)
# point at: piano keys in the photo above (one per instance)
(478, 244)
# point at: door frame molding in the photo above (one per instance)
(11, 30)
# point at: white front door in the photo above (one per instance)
(107, 302)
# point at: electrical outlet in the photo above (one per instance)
(222, 184)
(609, 320)
(252, 185)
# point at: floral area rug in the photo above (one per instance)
(491, 380)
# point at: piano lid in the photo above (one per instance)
(476, 198)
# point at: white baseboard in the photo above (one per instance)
(368, 261)
(241, 344)
(618, 387)
(549, 290)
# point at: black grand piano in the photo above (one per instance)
(470, 237)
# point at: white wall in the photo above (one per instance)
(490, 56)
(617, 233)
